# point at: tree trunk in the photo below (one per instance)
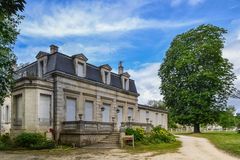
(196, 128)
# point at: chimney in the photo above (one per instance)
(120, 68)
(53, 49)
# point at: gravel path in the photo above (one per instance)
(196, 149)
(192, 149)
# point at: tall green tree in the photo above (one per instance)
(196, 79)
(227, 118)
(161, 105)
(9, 20)
(157, 104)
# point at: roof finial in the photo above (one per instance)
(120, 67)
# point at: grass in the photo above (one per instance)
(59, 150)
(156, 149)
(226, 141)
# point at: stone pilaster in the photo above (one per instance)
(125, 112)
(59, 107)
(114, 114)
(98, 109)
(80, 104)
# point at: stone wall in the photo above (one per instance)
(82, 92)
(30, 92)
(80, 140)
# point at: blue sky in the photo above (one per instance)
(138, 32)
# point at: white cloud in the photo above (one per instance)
(91, 18)
(100, 52)
(147, 82)
(28, 54)
(195, 2)
(175, 3)
(232, 52)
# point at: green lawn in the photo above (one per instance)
(160, 148)
(226, 141)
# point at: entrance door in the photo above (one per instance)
(120, 116)
(71, 109)
(106, 113)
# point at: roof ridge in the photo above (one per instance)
(27, 66)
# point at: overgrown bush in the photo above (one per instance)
(159, 135)
(46, 144)
(5, 142)
(137, 132)
(33, 141)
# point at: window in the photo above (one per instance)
(7, 114)
(142, 116)
(147, 114)
(44, 110)
(130, 113)
(120, 116)
(125, 83)
(106, 77)
(106, 113)
(88, 111)
(41, 69)
(70, 109)
(18, 110)
(80, 69)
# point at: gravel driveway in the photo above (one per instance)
(192, 149)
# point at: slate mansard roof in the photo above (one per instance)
(58, 62)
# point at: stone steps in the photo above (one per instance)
(103, 146)
(111, 141)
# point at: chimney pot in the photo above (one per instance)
(120, 68)
(53, 49)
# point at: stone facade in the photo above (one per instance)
(60, 88)
(5, 116)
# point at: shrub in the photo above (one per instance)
(47, 144)
(33, 141)
(28, 139)
(137, 132)
(159, 135)
(5, 142)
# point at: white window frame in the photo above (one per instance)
(66, 109)
(18, 117)
(87, 118)
(84, 70)
(130, 112)
(80, 73)
(45, 120)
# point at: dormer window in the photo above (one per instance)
(126, 84)
(42, 64)
(125, 81)
(106, 73)
(106, 77)
(42, 58)
(41, 72)
(80, 69)
(80, 64)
